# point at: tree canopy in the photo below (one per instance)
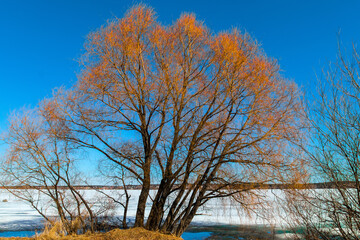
(177, 105)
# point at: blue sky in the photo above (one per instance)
(41, 40)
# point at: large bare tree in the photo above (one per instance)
(195, 112)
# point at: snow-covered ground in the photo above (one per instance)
(17, 215)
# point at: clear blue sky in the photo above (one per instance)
(40, 40)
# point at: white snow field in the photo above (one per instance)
(17, 215)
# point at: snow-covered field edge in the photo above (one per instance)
(17, 215)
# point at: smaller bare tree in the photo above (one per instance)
(117, 177)
(39, 169)
(334, 210)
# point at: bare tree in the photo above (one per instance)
(39, 168)
(117, 176)
(334, 152)
(203, 112)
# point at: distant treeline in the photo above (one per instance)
(323, 185)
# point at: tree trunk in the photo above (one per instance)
(185, 222)
(140, 213)
(157, 209)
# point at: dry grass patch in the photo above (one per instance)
(116, 234)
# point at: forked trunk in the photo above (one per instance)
(157, 209)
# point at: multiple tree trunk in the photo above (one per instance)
(195, 112)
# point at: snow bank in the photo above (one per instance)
(18, 215)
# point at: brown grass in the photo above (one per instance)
(116, 234)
